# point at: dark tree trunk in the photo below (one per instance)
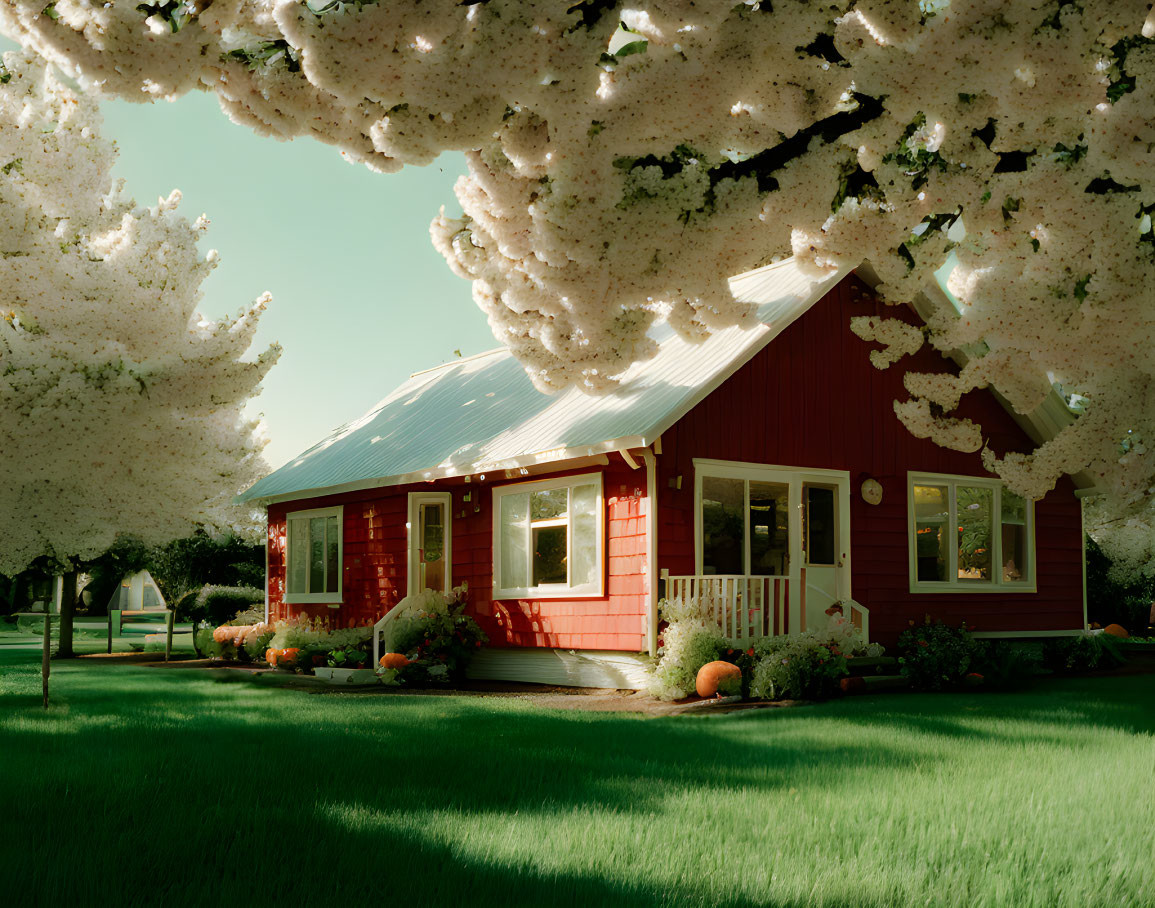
(13, 594)
(64, 648)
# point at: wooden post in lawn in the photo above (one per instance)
(46, 663)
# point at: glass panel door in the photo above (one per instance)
(723, 527)
(769, 526)
(431, 536)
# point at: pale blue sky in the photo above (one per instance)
(360, 297)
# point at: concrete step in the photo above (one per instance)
(872, 684)
(871, 665)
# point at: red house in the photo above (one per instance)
(763, 470)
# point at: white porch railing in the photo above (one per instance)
(859, 617)
(758, 606)
(744, 606)
(382, 623)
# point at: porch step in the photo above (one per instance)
(870, 665)
(873, 684)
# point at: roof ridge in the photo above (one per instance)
(459, 361)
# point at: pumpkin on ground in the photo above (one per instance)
(719, 678)
(1116, 630)
(271, 656)
(393, 660)
(288, 657)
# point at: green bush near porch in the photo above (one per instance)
(238, 792)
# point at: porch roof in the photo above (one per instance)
(482, 414)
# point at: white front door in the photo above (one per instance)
(760, 520)
(430, 542)
(825, 548)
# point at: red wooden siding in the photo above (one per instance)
(812, 399)
(376, 564)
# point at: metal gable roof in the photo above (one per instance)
(482, 413)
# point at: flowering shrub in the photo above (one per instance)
(436, 636)
(685, 649)
(310, 640)
(114, 385)
(796, 666)
(1028, 124)
(935, 656)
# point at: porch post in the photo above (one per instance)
(794, 534)
(651, 551)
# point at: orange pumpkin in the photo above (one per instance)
(393, 660)
(1116, 630)
(271, 656)
(288, 657)
(718, 676)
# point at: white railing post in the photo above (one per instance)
(742, 606)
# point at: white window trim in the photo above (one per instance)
(416, 499)
(323, 598)
(996, 584)
(595, 590)
(795, 478)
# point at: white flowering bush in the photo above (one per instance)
(304, 633)
(625, 160)
(794, 665)
(120, 405)
(686, 647)
(808, 664)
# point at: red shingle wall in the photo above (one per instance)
(812, 399)
(375, 564)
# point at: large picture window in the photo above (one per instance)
(547, 538)
(744, 526)
(969, 534)
(313, 556)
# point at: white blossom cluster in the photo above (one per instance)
(627, 157)
(120, 406)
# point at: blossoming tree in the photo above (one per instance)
(120, 406)
(626, 158)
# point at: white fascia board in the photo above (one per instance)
(558, 456)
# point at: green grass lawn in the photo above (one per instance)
(155, 786)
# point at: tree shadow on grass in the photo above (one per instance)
(146, 787)
(168, 789)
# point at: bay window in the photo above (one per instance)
(547, 538)
(969, 534)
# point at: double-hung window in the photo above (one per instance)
(547, 538)
(969, 534)
(313, 556)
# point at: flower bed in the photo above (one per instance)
(806, 665)
(434, 635)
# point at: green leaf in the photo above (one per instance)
(634, 47)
